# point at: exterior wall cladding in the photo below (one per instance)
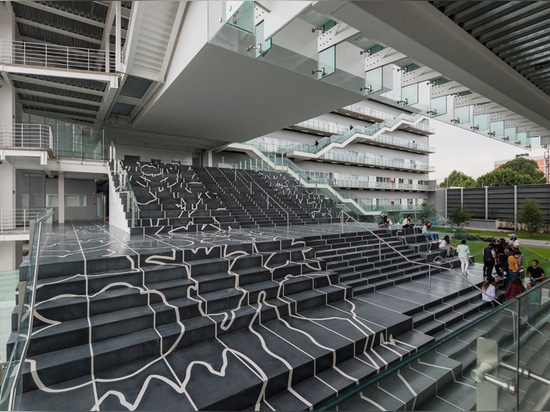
(498, 202)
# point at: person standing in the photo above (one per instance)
(500, 261)
(513, 267)
(536, 275)
(513, 241)
(463, 251)
(489, 258)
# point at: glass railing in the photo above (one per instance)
(8, 288)
(123, 185)
(497, 362)
(10, 389)
(365, 111)
(54, 56)
(67, 140)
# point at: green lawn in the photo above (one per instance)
(542, 254)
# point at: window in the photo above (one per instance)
(70, 201)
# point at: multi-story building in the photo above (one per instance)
(303, 87)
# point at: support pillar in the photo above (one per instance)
(61, 198)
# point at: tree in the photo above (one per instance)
(427, 212)
(460, 215)
(520, 171)
(458, 179)
(531, 215)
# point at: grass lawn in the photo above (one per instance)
(542, 254)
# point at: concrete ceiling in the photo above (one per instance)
(223, 96)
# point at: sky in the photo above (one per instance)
(470, 153)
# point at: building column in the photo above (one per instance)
(61, 198)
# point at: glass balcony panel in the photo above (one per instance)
(243, 18)
(511, 133)
(462, 113)
(439, 105)
(374, 79)
(410, 93)
(327, 62)
(263, 46)
(497, 128)
(481, 121)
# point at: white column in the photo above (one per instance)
(7, 210)
(61, 197)
(7, 34)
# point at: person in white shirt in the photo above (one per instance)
(408, 222)
(489, 291)
(463, 251)
(445, 244)
(514, 242)
(426, 231)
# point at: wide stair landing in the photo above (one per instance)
(278, 324)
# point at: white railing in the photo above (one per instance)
(17, 219)
(26, 135)
(52, 55)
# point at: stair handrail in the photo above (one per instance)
(124, 183)
(272, 200)
(12, 376)
(423, 264)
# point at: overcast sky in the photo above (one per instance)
(470, 153)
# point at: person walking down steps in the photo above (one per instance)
(463, 252)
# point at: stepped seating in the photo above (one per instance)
(172, 198)
(227, 199)
(275, 296)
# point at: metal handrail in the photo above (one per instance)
(430, 266)
(26, 135)
(17, 219)
(272, 201)
(55, 56)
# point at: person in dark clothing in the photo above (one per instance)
(489, 257)
(501, 258)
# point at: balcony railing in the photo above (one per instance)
(17, 219)
(26, 135)
(55, 56)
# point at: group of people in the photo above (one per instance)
(506, 259)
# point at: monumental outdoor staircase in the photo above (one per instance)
(305, 317)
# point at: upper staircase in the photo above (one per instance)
(174, 198)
